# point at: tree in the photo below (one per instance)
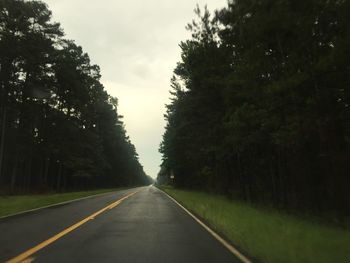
(58, 124)
(263, 113)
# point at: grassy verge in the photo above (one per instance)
(14, 204)
(268, 235)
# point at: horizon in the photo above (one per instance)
(136, 65)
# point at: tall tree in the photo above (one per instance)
(58, 124)
(261, 109)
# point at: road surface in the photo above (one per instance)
(145, 227)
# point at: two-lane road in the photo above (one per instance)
(145, 227)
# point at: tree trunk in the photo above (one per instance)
(46, 170)
(2, 141)
(14, 174)
(59, 177)
(28, 173)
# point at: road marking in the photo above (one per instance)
(231, 248)
(114, 205)
(22, 258)
(55, 204)
(28, 260)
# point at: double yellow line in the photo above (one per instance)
(25, 255)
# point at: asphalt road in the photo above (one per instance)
(146, 227)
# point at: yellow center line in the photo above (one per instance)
(28, 253)
(28, 260)
(114, 205)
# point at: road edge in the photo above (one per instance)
(26, 255)
(56, 204)
(221, 240)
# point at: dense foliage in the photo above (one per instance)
(59, 127)
(261, 105)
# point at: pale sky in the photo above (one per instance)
(136, 44)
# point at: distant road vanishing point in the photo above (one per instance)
(135, 225)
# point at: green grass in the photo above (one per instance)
(18, 203)
(268, 235)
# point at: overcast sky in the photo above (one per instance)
(136, 45)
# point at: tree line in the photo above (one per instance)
(60, 130)
(260, 107)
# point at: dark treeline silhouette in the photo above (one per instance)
(60, 129)
(260, 106)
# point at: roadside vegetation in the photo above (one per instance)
(260, 115)
(260, 106)
(19, 203)
(59, 128)
(266, 234)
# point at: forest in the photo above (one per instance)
(60, 130)
(260, 106)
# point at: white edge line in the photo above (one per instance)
(232, 249)
(58, 204)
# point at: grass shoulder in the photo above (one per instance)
(13, 204)
(267, 235)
